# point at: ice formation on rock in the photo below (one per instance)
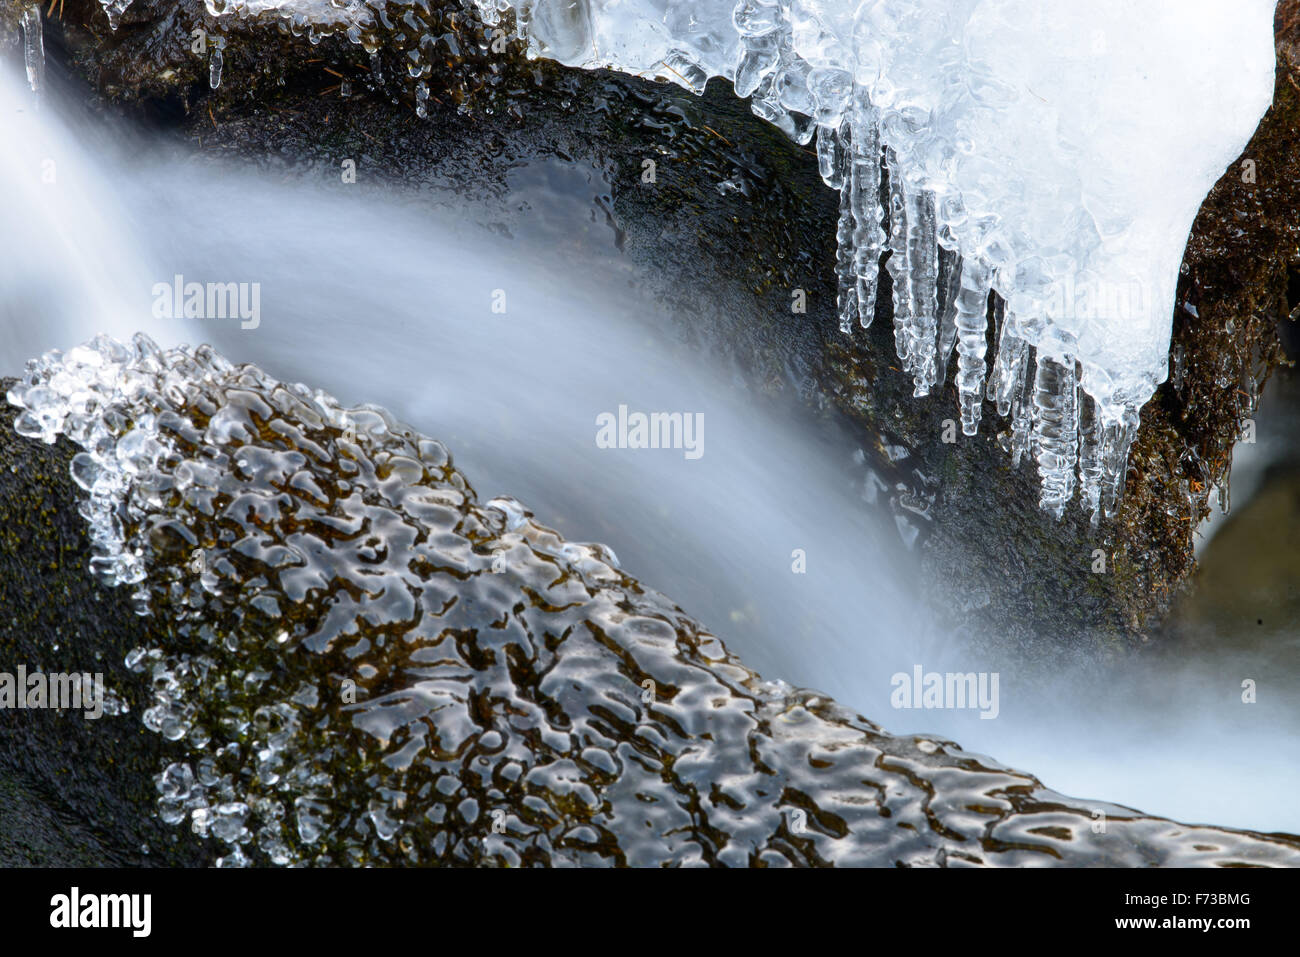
(1051, 151)
(33, 48)
(114, 9)
(360, 663)
(317, 17)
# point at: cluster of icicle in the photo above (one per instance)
(941, 298)
(941, 303)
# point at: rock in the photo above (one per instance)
(1248, 582)
(35, 833)
(366, 665)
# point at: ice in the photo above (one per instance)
(33, 48)
(311, 16)
(850, 161)
(215, 60)
(1061, 149)
(863, 201)
(114, 9)
(972, 341)
(85, 395)
(1056, 428)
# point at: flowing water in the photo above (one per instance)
(382, 296)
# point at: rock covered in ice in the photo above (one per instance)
(315, 15)
(360, 663)
(1051, 151)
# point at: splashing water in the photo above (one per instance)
(96, 242)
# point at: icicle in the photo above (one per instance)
(898, 265)
(34, 48)
(1007, 368)
(972, 345)
(1022, 417)
(829, 157)
(922, 257)
(949, 286)
(215, 63)
(1117, 435)
(114, 9)
(999, 322)
(760, 57)
(1056, 435)
(847, 298)
(868, 235)
(1090, 463)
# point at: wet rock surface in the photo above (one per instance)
(1248, 578)
(357, 662)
